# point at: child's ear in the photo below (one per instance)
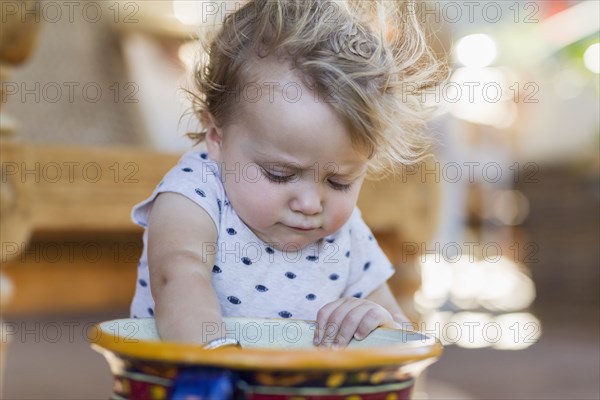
(214, 136)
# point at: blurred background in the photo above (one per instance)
(495, 238)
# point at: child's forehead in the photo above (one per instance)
(296, 136)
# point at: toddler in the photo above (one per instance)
(299, 101)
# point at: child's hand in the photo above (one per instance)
(346, 318)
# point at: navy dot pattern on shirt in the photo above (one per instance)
(246, 261)
(261, 288)
(289, 292)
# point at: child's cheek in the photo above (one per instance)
(340, 215)
(256, 202)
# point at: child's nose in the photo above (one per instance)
(307, 201)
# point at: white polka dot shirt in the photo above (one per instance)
(251, 278)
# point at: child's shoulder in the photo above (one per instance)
(194, 168)
(195, 162)
(196, 177)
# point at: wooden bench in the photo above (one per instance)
(67, 242)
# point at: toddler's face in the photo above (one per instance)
(287, 163)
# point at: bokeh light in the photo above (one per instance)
(478, 50)
(519, 331)
(510, 207)
(482, 96)
(591, 58)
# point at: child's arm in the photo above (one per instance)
(341, 320)
(186, 306)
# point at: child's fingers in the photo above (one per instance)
(330, 317)
(354, 320)
(322, 317)
(330, 320)
(371, 320)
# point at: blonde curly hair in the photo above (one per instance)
(370, 57)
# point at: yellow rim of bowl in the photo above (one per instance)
(268, 358)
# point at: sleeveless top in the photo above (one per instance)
(252, 279)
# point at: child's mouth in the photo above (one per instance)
(302, 229)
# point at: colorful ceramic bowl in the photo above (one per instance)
(277, 361)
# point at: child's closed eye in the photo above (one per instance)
(277, 178)
(340, 186)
